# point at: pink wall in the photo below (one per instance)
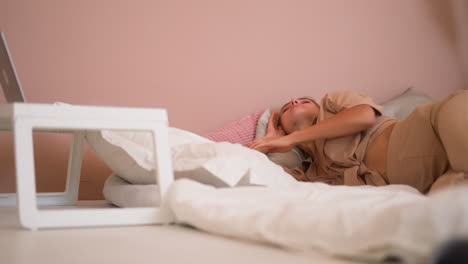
(2, 14)
(460, 20)
(210, 62)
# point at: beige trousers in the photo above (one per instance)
(431, 145)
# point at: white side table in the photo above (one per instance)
(23, 119)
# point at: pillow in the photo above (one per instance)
(231, 164)
(262, 124)
(291, 159)
(401, 106)
(130, 153)
(121, 193)
(240, 132)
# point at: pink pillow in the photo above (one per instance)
(241, 131)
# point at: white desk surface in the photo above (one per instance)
(56, 111)
(61, 113)
(135, 244)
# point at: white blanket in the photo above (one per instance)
(363, 223)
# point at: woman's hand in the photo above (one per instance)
(274, 131)
(272, 145)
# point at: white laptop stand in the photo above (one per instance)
(23, 119)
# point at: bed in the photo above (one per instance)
(226, 189)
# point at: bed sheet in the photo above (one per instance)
(362, 223)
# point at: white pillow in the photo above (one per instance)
(401, 106)
(130, 153)
(231, 164)
(291, 159)
(262, 124)
(119, 192)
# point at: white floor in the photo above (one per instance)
(136, 244)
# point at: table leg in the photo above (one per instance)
(74, 169)
(25, 174)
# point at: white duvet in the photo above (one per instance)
(364, 223)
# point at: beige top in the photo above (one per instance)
(340, 160)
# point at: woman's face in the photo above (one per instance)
(298, 114)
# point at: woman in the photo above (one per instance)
(351, 143)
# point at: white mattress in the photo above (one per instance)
(362, 223)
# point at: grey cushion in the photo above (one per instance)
(401, 106)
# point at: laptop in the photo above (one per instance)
(9, 80)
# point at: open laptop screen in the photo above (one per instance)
(9, 81)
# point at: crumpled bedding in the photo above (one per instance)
(364, 223)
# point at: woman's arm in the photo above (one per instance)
(346, 122)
